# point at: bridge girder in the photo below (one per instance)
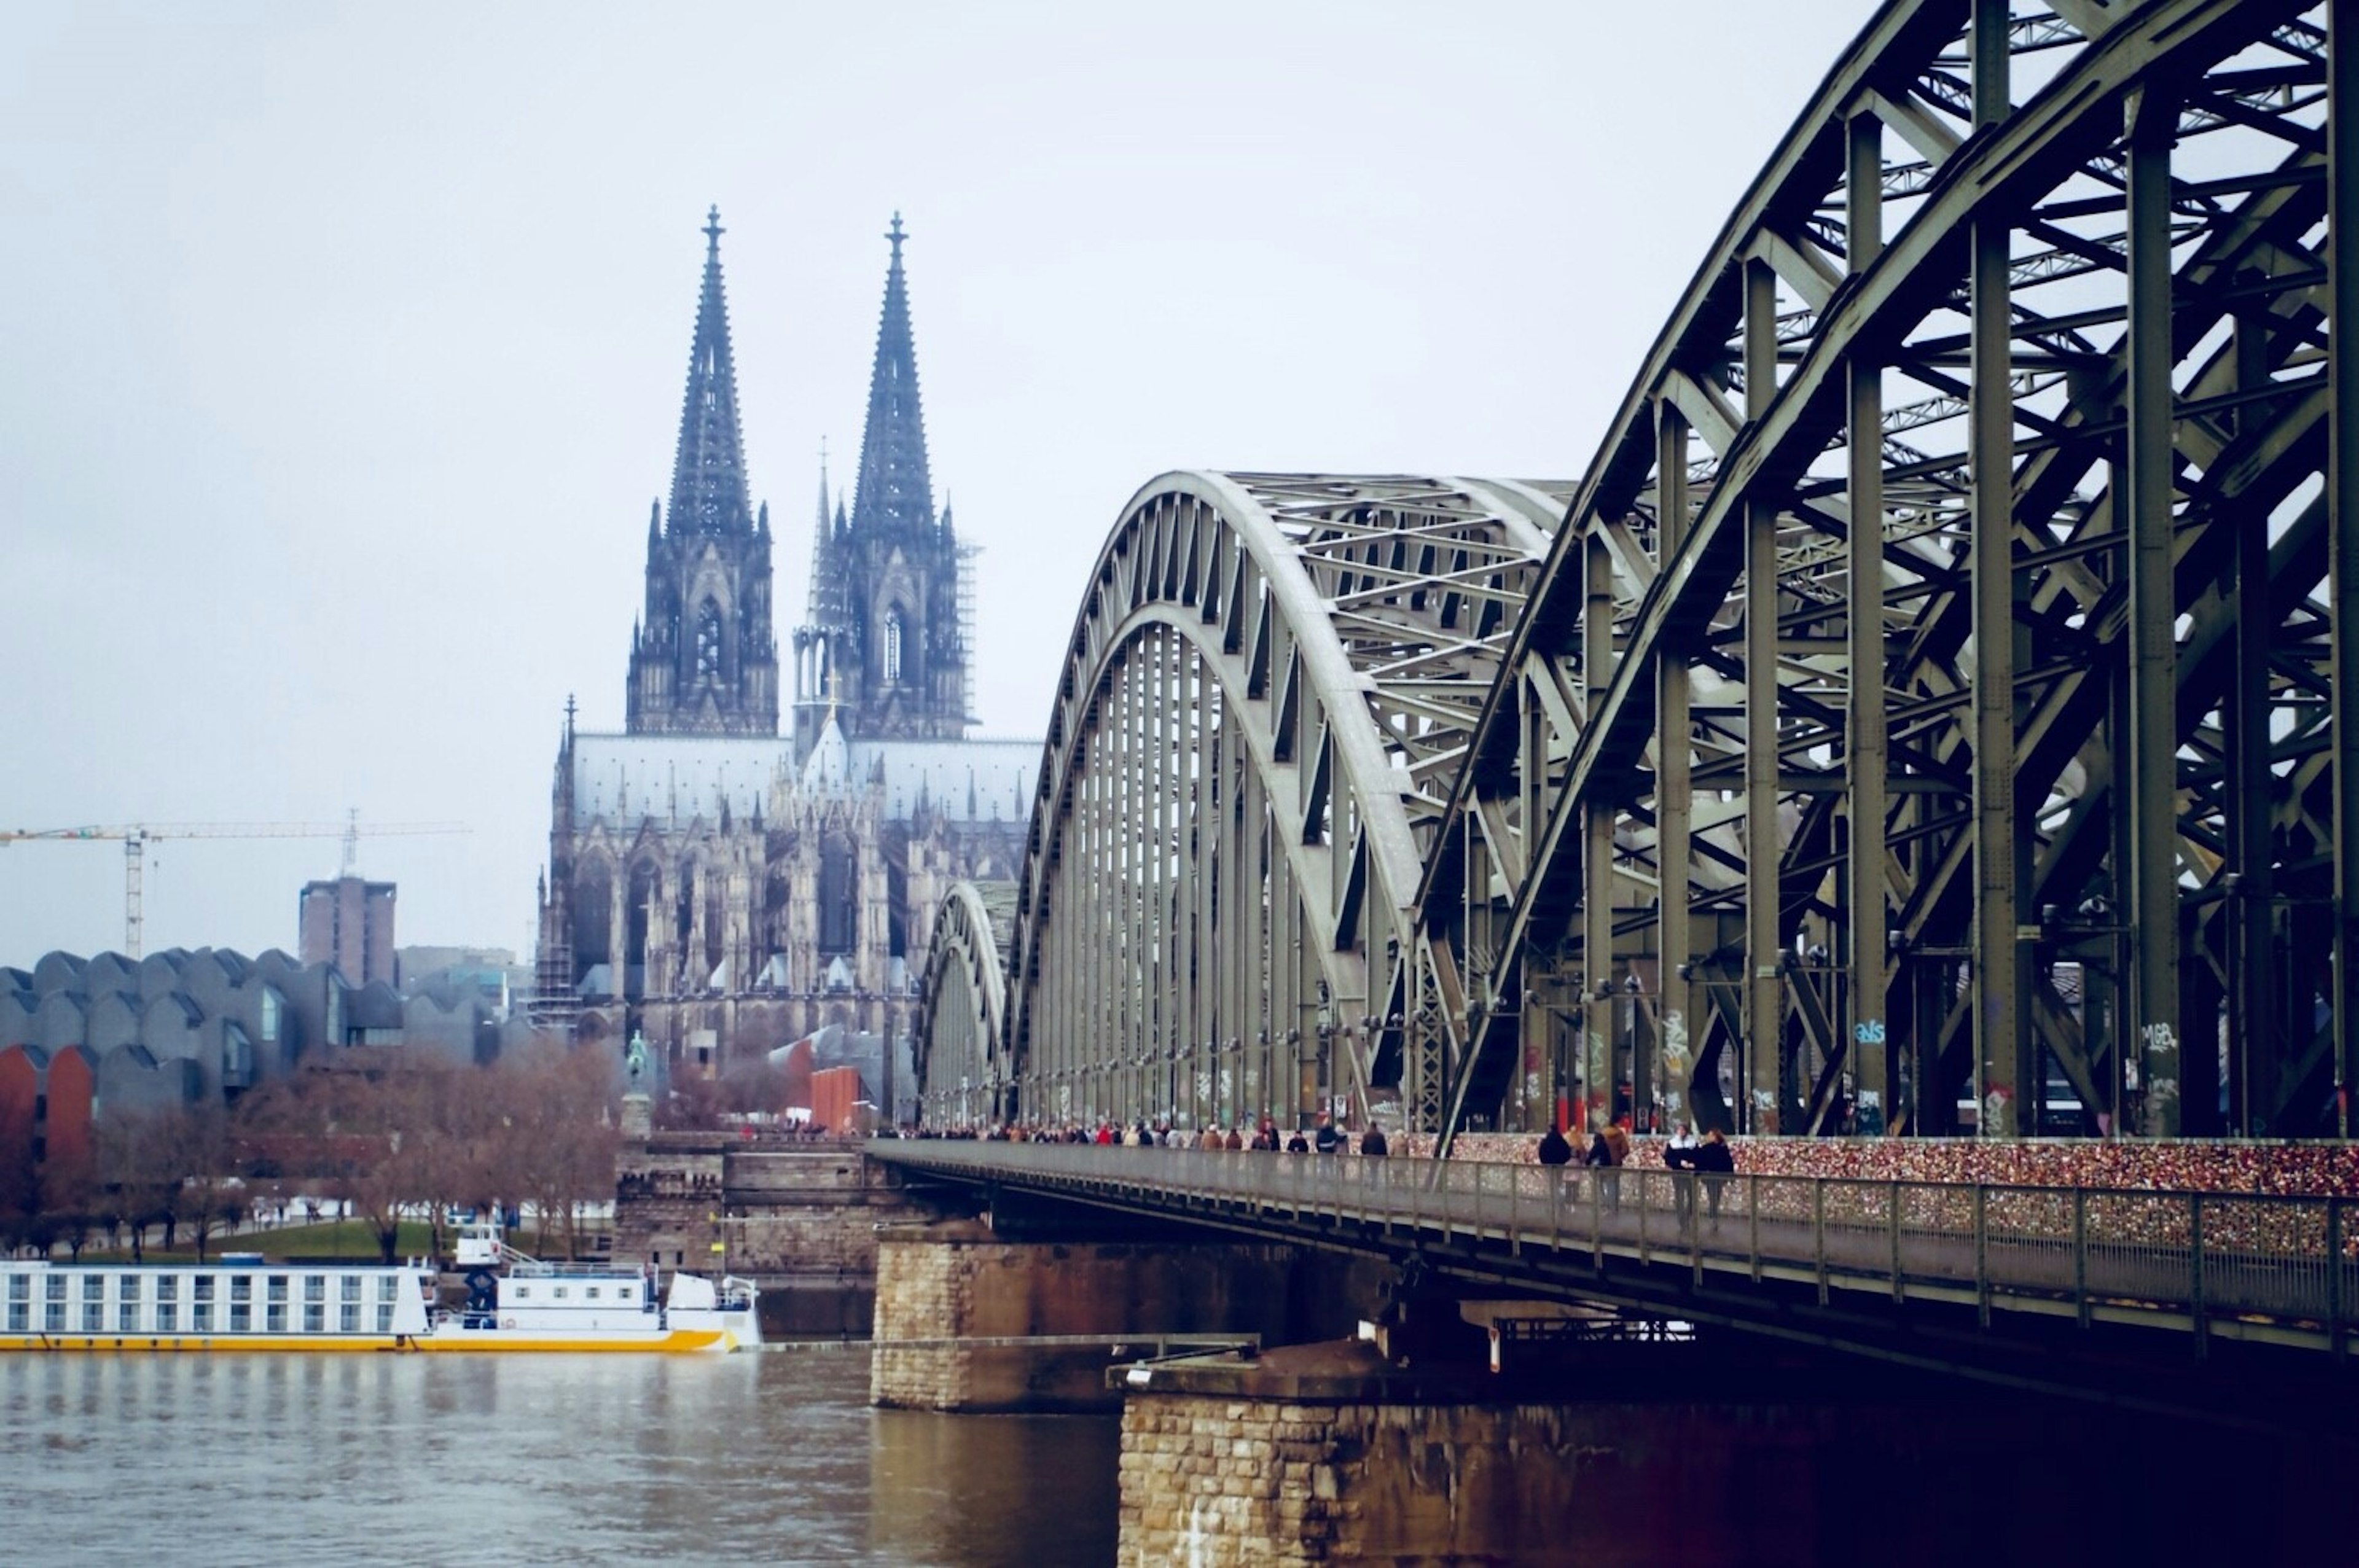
(1264, 704)
(2073, 701)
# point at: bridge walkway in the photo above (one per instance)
(2277, 1271)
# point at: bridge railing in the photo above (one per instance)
(2253, 1266)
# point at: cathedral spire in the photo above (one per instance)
(708, 476)
(821, 610)
(894, 490)
(703, 661)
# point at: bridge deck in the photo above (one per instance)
(2281, 1270)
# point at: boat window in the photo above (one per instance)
(315, 1287)
(351, 1289)
(315, 1317)
(54, 1288)
(591, 1293)
(277, 1287)
(348, 1317)
(201, 1317)
(623, 1292)
(388, 1287)
(53, 1316)
(168, 1287)
(385, 1317)
(20, 1287)
(241, 1317)
(241, 1287)
(524, 1293)
(560, 1293)
(127, 1318)
(127, 1287)
(93, 1287)
(167, 1317)
(20, 1317)
(93, 1317)
(277, 1319)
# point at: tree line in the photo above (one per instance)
(399, 1135)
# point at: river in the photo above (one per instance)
(532, 1459)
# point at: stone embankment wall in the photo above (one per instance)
(799, 1220)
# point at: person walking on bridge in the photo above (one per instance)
(1714, 1163)
(1608, 1150)
(1555, 1149)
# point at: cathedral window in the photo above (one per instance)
(893, 645)
(838, 894)
(707, 642)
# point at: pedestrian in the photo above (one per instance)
(1298, 1144)
(1235, 1141)
(1372, 1142)
(1679, 1157)
(1327, 1137)
(1555, 1149)
(1715, 1162)
(1602, 1154)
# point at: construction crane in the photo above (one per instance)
(135, 836)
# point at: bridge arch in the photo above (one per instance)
(2003, 812)
(1264, 701)
(961, 1067)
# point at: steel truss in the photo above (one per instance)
(2026, 805)
(1263, 707)
(961, 1065)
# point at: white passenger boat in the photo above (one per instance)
(241, 1302)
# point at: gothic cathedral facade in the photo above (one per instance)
(722, 888)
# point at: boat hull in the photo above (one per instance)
(677, 1341)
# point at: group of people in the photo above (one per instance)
(1708, 1157)
(1326, 1138)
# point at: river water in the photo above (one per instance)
(532, 1459)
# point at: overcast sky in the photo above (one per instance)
(341, 350)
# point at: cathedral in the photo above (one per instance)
(725, 887)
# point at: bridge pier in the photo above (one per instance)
(1639, 1452)
(969, 1318)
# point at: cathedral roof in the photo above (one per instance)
(625, 779)
(894, 490)
(709, 493)
(829, 766)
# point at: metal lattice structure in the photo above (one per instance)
(1266, 699)
(1928, 718)
(2015, 808)
(960, 1061)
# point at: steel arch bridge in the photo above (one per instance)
(1265, 700)
(1926, 714)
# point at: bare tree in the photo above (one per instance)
(198, 1144)
(560, 1140)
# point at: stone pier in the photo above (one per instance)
(969, 1319)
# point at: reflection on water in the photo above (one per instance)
(533, 1459)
